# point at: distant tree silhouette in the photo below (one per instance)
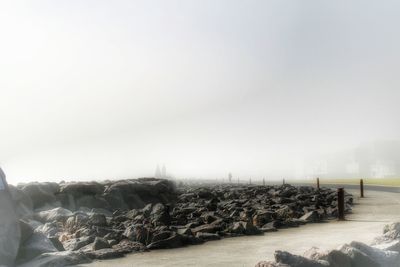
(158, 172)
(164, 172)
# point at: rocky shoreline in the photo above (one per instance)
(72, 223)
(383, 252)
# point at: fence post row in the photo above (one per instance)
(361, 188)
(340, 201)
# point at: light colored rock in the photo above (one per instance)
(393, 245)
(285, 257)
(37, 244)
(53, 215)
(311, 216)
(10, 232)
(382, 257)
(270, 264)
(358, 258)
(315, 253)
(57, 259)
(48, 229)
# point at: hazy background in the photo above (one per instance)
(109, 89)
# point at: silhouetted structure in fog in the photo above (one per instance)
(379, 159)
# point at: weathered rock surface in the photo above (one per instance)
(355, 254)
(284, 257)
(103, 220)
(36, 245)
(56, 259)
(10, 231)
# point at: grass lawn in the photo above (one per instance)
(371, 181)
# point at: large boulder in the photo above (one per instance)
(40, 193)
(78, 189)
(57, 259)
(23, 203)
(100, 243)
(337, 258)
(139, 192)
(10, 232)
(382, 257)
(285, 257)
(91, 202)
(37, 244)
(103, 254)
(358, 258)
(392, 245)
(26, 230)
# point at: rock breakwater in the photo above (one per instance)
(71, 223)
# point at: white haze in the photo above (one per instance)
(109, 89)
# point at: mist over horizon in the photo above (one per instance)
(272, 89)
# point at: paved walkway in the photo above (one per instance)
(369, 215)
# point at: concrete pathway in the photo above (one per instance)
(369, 215)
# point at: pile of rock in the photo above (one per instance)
(383, 252)
(72, 223)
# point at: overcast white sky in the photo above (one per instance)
(108, 89)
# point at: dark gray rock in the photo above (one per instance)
(97, 219)
(100, 243)
(337, 258)
(297, 261)
(250, 229)
(173, 241)
(358, 258)
(26, 230)
(207, 236)
(78, 189)
(56, 243)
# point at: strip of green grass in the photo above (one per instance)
(372, 181)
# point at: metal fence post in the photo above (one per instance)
(318, 183)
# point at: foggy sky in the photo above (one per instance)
(109, 89)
